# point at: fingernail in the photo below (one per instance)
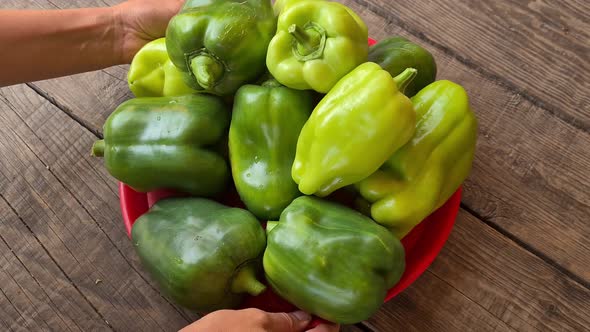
(301, 315)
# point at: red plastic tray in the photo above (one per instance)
(422, 244)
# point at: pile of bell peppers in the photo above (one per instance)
(285, 105)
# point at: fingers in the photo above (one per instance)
(252, 320)
(287, 322)
(326, 328)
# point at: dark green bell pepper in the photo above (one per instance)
(265, 126)
(203, 255)
(167, 142)
(220, 45)
(331, 261)
(395, 54)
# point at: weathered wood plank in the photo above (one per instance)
(75, 169)
(34, 287)
(530, 171)
(518, 182)
(484, 281)
(544, 196)
(507, 177)
(65, 198)
(431, 304)
(539, 48)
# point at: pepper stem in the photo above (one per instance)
(98, 148)
(245, 282)
(405, 78)
(207, 70)
(270, 225)
(308, 42)
(303, 38)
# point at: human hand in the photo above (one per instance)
(141, 21)
(255, 320)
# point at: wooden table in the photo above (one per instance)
(518, 258)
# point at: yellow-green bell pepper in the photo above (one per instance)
(280, 5)
(152, 74)
(316, 44)
(425, 172)
(354, 129)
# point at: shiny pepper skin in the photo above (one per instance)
(316, 44)
(221, 45)
(266, 122)
(152, 74)
(354, 129)
(424, 173)
(331, 261)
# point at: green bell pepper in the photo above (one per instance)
(317, 43)
(280, 5)
(203, 255)
(152, 74)
(424, 173)
(167, 142)
(196, 3)
(265, 125)
(221, 45)
(360, 123)
(395, 54)
(331, 261)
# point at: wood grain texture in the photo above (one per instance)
(539, 48)
(529, 179)
(517, 182)
(529, 176)
(36, 293)
(68, 209)
(431, 304)
(70, 205)
(481, 279)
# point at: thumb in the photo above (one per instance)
(288, 322)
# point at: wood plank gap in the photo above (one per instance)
(116, 247)
(180, 312)
(49, 207)
(81, 122)
(365, 328)
(22, 290)
(37, 282)
(569, 119)
(113, 243)
(65, 109)
(54, 5)
(474, 302)
(111, 75)
(55, 262)
(13, 306)
(102, 178)
(574, 277)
